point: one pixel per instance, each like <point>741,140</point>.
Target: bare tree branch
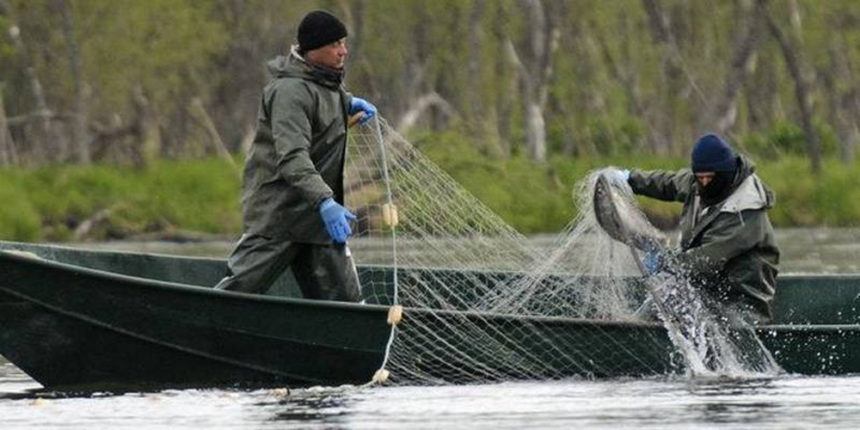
<point>199,112</point>
<point>421,104</point>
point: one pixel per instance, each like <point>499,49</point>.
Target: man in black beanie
<point>727,242</point>
<point>293,213</point>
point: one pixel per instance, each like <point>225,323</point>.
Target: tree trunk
<point>535,70</point>
<point>473,63</point>
<point>662,35</point>
<point>480,115</point>
<point>147,126</point>
<point>7,145</point>
<point>844,106</point>
<point>198,111</point>
<point>627,76</point>
<point>676,74</point>
<point>505,99</point>
<point>837,112</point>
<point>47,151</point>
<point>801,88</point>
<point>79,133</point>
<point>248,138</point>
<point>849,133</point>
<point>536,130</point>
<point>743,57</point>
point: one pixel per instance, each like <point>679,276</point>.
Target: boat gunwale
<point>790,276</point>
<point>363,307</point>
<point>196,289</point>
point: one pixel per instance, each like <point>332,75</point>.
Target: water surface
<point>664,403</point>
<point>804,250</point>
<point>659,403</point>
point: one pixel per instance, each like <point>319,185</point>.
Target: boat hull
<point>88,320</point>
<point>71,327</point>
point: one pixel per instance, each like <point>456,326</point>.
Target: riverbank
<point>198,200</point>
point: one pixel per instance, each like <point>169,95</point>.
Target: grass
<point>49,203</point>
<point>203,195</point>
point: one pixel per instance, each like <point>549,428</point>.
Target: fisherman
<point>727,242</point>
<point>293,213</point>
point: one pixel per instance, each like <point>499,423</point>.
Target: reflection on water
<point>644,403</point>
<point>13,380</point>
<point>327,405</point>
<point>664,403</point>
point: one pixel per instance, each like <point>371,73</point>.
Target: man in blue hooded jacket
<point>727,242</point>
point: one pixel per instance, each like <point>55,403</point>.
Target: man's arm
<point>661,184</point>
<point>291,129</point>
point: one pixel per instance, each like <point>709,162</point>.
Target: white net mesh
<point>481,302</point>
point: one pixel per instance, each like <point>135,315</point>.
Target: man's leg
<point>256,263</point>
<point>327,272</point>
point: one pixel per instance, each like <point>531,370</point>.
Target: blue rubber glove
<point>653,261</point>
<point>360,104</point>
<point>336,219</point>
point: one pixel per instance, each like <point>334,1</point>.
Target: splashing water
<point>713,341</point>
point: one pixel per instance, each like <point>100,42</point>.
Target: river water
<point>780,403</point>
<point>661,403</point>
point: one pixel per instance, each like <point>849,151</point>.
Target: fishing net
<point>481,302</point>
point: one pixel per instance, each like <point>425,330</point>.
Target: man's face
<point>332,55</point>
<point>704,178</point>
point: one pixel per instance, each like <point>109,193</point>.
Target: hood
<point>294,66</point>
<point>749,190</point>
<point>281,67</point>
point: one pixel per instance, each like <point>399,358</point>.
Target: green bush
<point>787,139</point>
<point>614,138</point>
<point>48,203</point>
<point>538,197</point>
<point>831,199</point>
<point>203,195</point>
<point>795,188</point>
<point>18,219</point>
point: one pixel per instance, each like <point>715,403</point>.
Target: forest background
<point>126,118</point>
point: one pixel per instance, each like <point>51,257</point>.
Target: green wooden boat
<point>81,319</point>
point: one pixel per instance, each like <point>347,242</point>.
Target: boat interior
<point>800,299</point>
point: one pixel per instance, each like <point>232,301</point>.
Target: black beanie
<point>319,28</point>
<point>712,154</point>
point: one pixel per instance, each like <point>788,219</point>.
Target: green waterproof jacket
<point>729,248</point>
<point>297,158</point>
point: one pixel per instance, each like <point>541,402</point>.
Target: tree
<point>794,62</point>
<point>80,139</point>
<point>725,110</point>
<point>532,58</point>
